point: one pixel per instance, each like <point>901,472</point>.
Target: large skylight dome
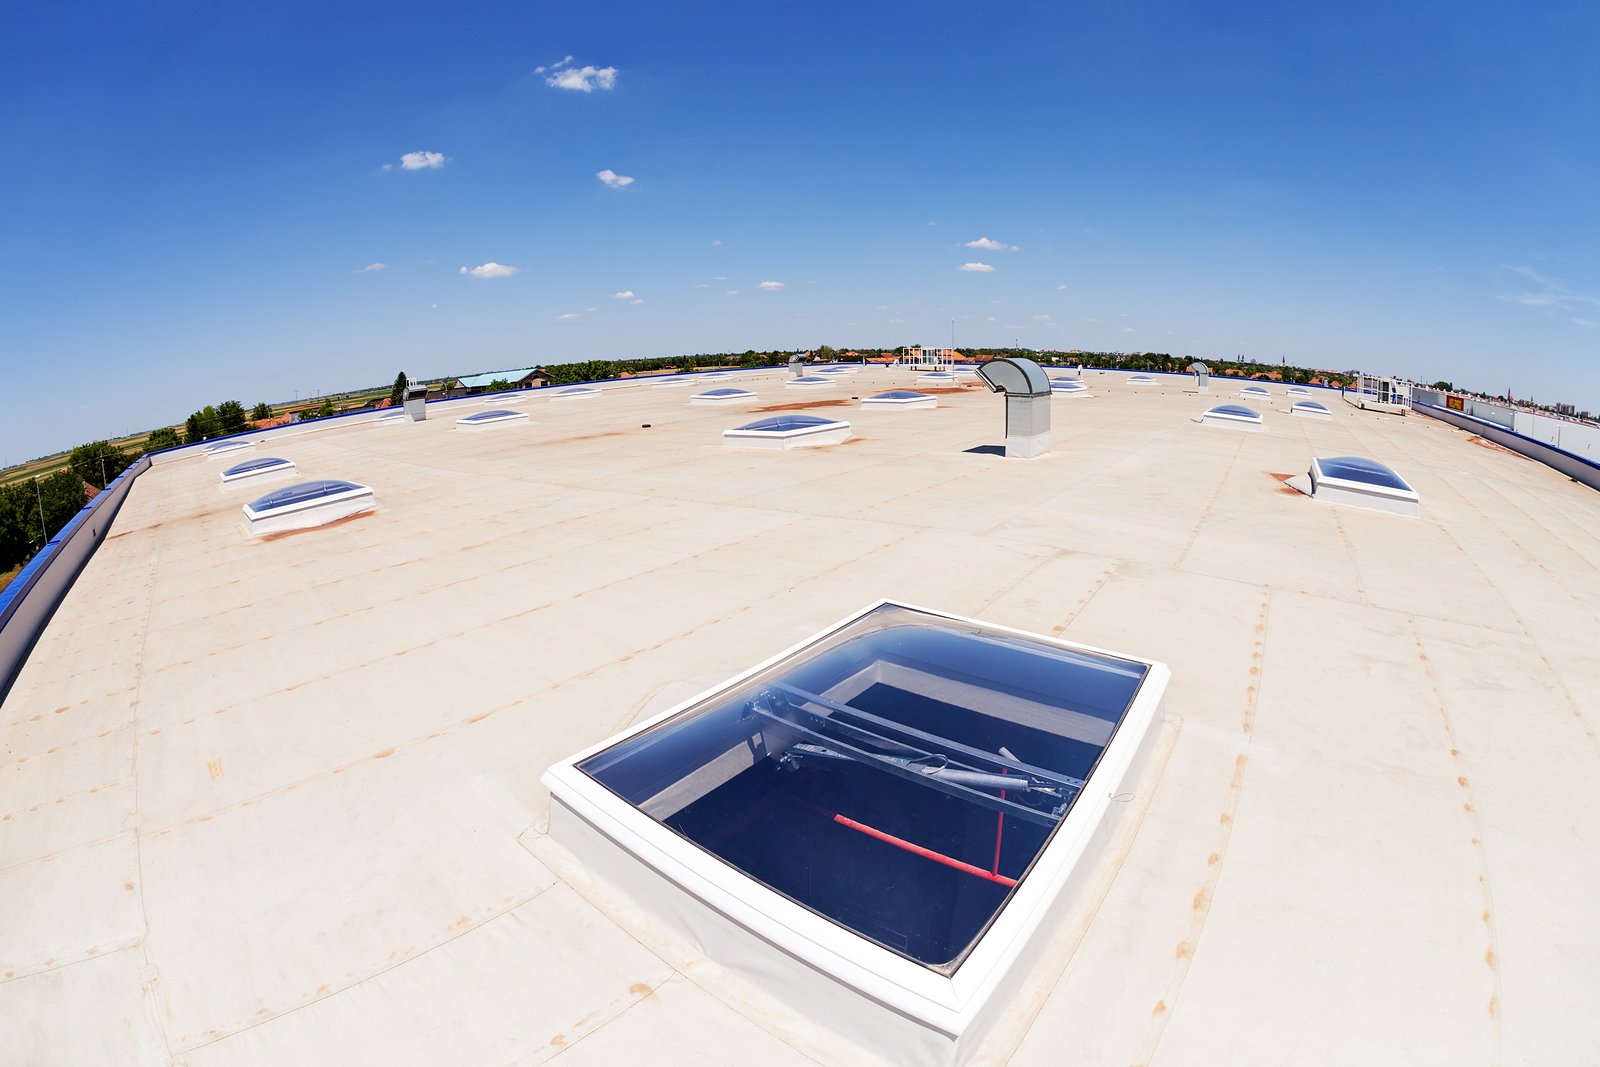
<point>893,805</point>
<point>1310,409</point>
<point>307,504</point>
<point>1362,482</point>
<point>788,431</point>
<point>256,471</point>
<point>485,420</point>
<point>900,400</point>
<point>1233,417</point>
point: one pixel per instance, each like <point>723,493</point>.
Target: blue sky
<point>195,198</point>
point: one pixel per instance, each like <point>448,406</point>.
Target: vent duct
<point>1027,390</point>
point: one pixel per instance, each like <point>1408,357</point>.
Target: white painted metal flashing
<point>873,997</point>
<point>827,432</point>
<point>265,516</point>
<point>488,420</point>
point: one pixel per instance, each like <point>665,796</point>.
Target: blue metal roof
<point>477,381</point>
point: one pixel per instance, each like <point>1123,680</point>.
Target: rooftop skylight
<point>1141,379</point>
<point>1233,416</point>
<point>900,400</point>
<point>225,447</point>
<point>1310,409</point>
<point>1362,482</point>
<point>576,392</point>
<point>920,781</point>
<point>810,381</point>
<point>788,431</point>
<point>252,471</point>
<point>483,420</point>
<point>307,504</point>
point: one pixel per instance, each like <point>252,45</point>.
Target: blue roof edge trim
<point>30,600</point>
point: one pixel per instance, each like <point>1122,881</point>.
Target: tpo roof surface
<point>277,801</point>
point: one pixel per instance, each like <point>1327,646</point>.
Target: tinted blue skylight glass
<point>1360,469</point>
<point>968,745</point>
<point>785,423</point>
<point>1238,411</point>
<point>726,392</point>
<point>489,416</point>
<point>300,493</point>
<point>900,394</point>
<point>1311,405</point>
<point>254,465</point>
<point>1254,389</point>
<point>812,379</point>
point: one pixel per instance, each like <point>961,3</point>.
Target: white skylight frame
<point>1255,392</point>
<point>890,989</point>
<point>1310,409</point>
<point>576,392</point>
<point>810,381</point>
<point>1141,379</point>
<point>309,514</point>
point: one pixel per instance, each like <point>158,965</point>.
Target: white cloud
<point>373,268</point>
<point>1041,318</point>
<point>716,244</point>
<point>636,300</point>
<point>731,292</point>
<point>490,269</point>
<point>702,285</point>
<point>388,166</point>
<point>1546,292</point>
<point>553,66</point>
<point>613,179</point>
<point>591,310</point>
<point>1060,288</point>
<point>991,245</point>
<point>1129,329</point>
<point>720,278</point>
<point>625,294</point>
<point>422,161</point>
<point>567,315</point>
<point>771,287</point>
<point>583,79</point>
<point>981,268</point>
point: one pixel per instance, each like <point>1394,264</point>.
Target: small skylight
<point>900,400</point>
<point>896,805</point>
<point>1141,379</point>
<point>307,504</point>
<point>726,395</point>
<point>225,447</point>
<point>507,398</point>
<point>837,368</point>
<point>809,381</point>
<point>1257,392</point>
<point>1068,387</point>
<point>1299,390</point>
<point>1362,482</point>
<point>252,471</point>
<point>1310,409</point>
<point>1232,416</point>
<point>484,420</point>
<point>673,382</point>
<point>788,431</point>
<point>576,392</point>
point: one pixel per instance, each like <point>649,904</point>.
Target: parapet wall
<point>1577,467</point>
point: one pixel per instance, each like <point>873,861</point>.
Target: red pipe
<point>925,853</point>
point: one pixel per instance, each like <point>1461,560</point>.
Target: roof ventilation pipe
<point>1202,377</point>
<point>796,364</point>
<point>1027,390</point>
<point>417,402</point>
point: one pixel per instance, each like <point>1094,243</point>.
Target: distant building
<point>1565,409</point>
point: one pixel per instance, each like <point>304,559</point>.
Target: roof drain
<point>1027,390</point>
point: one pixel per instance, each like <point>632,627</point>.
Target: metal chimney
<point>1027,390</point>
<point>416,402</point>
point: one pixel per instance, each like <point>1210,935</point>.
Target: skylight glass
<point>1310,405</point>
<point>255,466</point>
<point>1236,411</point>
<point>786,423</point>
<point>898,779</point>
<point>302,493</point>
<point>900,394</point>
<point>1362,471</point>
<point>492,416</point>
<point>725,392</point>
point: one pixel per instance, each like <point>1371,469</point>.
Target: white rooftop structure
<point>279,800</point>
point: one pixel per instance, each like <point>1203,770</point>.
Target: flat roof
<point>273,801</point>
